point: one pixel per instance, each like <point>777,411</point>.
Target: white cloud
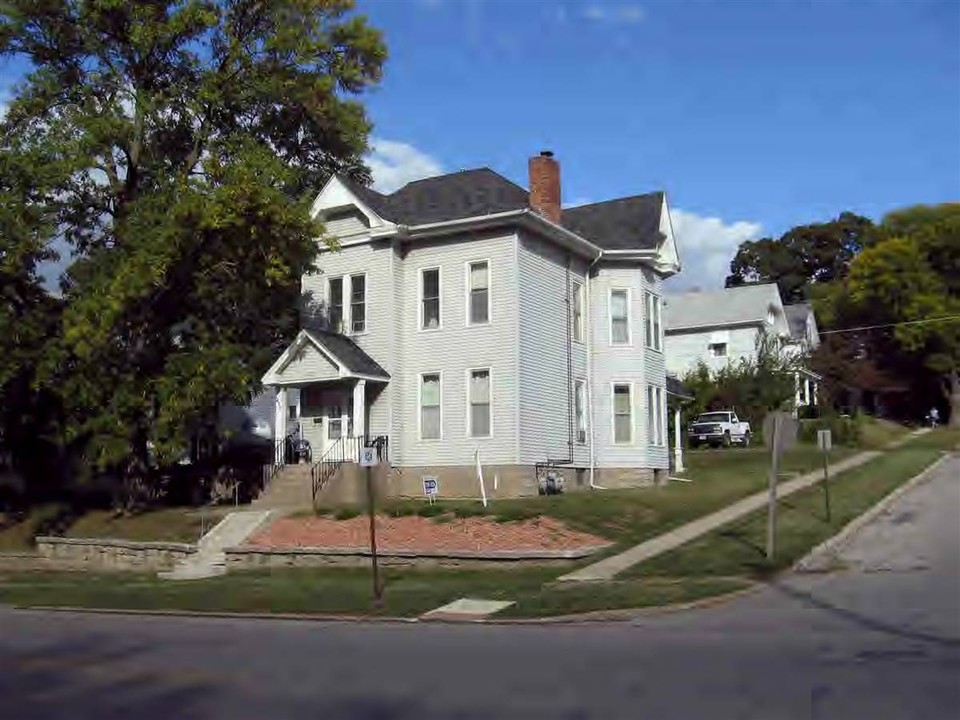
<point>707,245</point>
<point>623,13</point>
<point>393,164</point>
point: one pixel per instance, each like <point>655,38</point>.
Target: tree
<point>807,254</point>
<point>911,275</point>
<point>183,138</point>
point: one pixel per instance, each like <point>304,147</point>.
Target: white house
<point>465,315</point>
<point>723,327</point>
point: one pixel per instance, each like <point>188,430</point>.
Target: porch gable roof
<point>350,360</point>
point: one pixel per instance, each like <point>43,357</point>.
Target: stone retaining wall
<point>107,554</point>
<point>248,557</point>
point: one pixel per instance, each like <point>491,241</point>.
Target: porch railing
<point>282,455</point>
<point>345,449</point>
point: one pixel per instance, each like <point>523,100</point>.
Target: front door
<point>332,421</point>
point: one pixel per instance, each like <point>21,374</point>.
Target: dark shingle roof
<point>349,353</point>
<point>678,389</point>
<point>626,223</point>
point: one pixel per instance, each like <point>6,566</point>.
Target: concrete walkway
<point>210,559</point>
<point>611,566</point>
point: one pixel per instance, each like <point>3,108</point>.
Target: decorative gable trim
<point>335,195</point>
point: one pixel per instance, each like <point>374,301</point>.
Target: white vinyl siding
<point>622,395</point>
<point>578,312</point>
<point>430,298</point>
<point>620,316</point>
<point>308,365</point>
<point>480,402</point>
<point>431,406</point>
<point>478,292</point>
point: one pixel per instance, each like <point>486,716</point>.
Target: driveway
<point>880,639</point>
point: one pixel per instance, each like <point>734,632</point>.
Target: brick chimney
<point>545,185</point>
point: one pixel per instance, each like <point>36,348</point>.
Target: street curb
<point>203,614</point>
<point>832,545</point>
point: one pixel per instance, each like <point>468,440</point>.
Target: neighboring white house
<point>723,327</point>
<point>465,314</point>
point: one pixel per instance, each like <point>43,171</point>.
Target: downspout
<point>588,330</point>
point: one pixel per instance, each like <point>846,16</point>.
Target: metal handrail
<point>343,449</point>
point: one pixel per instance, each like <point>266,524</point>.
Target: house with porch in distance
<point>723,327</point>
<point>464,320</point>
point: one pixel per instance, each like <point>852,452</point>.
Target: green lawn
<point>408,593</point>
<point>739,549</point>
<point>719,477</point>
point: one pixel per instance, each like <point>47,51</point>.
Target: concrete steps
<point>210,559</point>
<point>290,489</point>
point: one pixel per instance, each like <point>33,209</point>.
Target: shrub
<point>844,430</point>
<point>346,513</point>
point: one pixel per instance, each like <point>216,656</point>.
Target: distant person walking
<point>934,417</point>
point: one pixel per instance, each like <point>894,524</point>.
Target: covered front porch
<point>327,388</point>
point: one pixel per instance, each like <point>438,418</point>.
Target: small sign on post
<point>368,457</point>
<point>368,460</point>
<point>825,443</point>
<point>431,488</point>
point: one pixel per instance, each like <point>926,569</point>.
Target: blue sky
<point>753,116</point>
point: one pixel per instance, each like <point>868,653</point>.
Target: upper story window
<point>335,295</point>
<point>717,349</point>
<point>771,316</point>
<point>578,328</point>
<point>358,303</point>
<point>654,335</point>
<point>619,317</point>
<point>430,298</point>
<point>478,292</point>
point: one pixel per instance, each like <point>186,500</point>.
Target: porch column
<point>796,382</point>
<point>280,425</point>
<point>677,442</point>
<point>806,391</point>
<point>359,409</point>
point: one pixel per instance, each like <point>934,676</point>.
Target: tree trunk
<point>952,391</point>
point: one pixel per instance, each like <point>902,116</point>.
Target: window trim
<point>467,289</point>
<point>579,326</point>
<point>420,299</point>
<point>653,322</point>
<point>613,413</point>
<point>439,374</point>
<point>656,416</point>
<point>580,391</point>
<point>366,303</point>
<point>469,419</point>
<point>610,293</point>
<point>712,345</point>
<point>343,310</point>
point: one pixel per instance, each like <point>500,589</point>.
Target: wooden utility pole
<point>774,471</point>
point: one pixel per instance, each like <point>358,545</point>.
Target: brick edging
<point>574,554</point>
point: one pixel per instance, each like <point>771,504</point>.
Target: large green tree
<point>182,139</point>
<point>816,253</point>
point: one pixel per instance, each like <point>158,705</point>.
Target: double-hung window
<point>622,414</point>
<point>654,338</point>
<point>655,415</point>
<point>335,299</point>
<point>430,298</point>
<point>619,317</point>
<point>479,396</point>
<point>430,406</point>
<point>358,303</point>
<point>478,292</point>
<point>578,329</point>
<point>579,405</point>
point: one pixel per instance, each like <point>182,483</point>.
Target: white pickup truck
<point>718,428</point>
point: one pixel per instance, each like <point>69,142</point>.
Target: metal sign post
<point>368,458</point>
<point>825,443</point>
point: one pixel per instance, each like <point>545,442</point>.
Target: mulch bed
<point>473,534</point>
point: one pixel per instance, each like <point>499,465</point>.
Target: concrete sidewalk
<point>611,566</point>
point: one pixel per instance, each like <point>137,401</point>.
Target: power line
<point>946,318</point>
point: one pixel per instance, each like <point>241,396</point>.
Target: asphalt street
<point>879,639</point>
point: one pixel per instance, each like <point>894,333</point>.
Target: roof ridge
<point>484,168</point>
<point>625,197</point>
